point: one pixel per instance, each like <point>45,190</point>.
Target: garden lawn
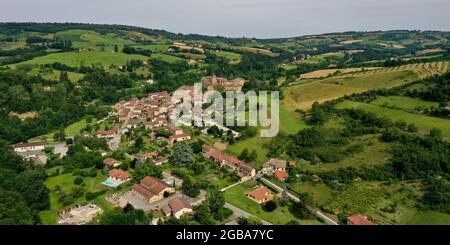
<point>65,181</point>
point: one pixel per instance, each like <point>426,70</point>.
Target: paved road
<point>114,143</point>
<point>237,212</point>
<point>296,199</point>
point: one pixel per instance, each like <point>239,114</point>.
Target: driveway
<point>169,179</point>
<point>139,203</point>
<point>60,149</point>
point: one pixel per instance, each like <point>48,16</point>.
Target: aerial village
<point>131,179</point>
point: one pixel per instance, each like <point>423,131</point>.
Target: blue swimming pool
<point>107,183</point>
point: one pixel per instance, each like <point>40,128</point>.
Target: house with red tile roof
<point>107,133</point>
<point>111,162</point>
<point>179,138</point>
<point>225,160</point>
<point>144,156</point>
<point>261,195</point>
<point>358,219</point>
<point>119,174</point>
<point>273,165</point>
<point>152,189</point>
<point>280,175</point>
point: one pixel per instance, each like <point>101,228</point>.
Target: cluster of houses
<point>152,112</point>
<point>108,134</point>
<point>217,83</point>
<point>224,160</point>
<point>151,155</point>
<point>277,168</point>
<point>152,189</point>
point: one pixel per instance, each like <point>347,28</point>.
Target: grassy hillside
<point>77,59</point>
<point>303,95</point>
<point>423,123</point>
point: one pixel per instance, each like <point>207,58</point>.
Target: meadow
<point>71,130</point>
<point>76,59</point>
<point>302,96</point>
<point>233,57</point>
<point>306,91</point>
<point>252,144</point>
<point>93,41</point>
<point>403,103</point>
<point>374,152</point>
<point>423,123</point>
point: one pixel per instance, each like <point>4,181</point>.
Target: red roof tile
<point>358,219</point>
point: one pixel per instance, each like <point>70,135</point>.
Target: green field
<point>233,57</point>
<point>281,215</point>
<point>71,130</point>
<point>94,41</point>
<point>403,103</point>
<point>255,50</point>
<point>54,74</point>
<point>65,181</point>
<point>423,123</point>
<point>167,58</point>
<point>427,218</point>
<point>374,153</point>
<point>320,192</point>
<point>291,122</point>
<point>302,96</point>
<point>255,143</point>
<point>307,91</point>
<point>155,48</point>
<point>77,59</point>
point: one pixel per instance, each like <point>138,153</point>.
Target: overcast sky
<point>235,18</point>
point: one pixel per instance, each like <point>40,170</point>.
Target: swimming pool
<point>108,183</point>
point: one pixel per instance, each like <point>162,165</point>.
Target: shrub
<point>270,206</point>
<point>78,181</point>
<point>92,195</point>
